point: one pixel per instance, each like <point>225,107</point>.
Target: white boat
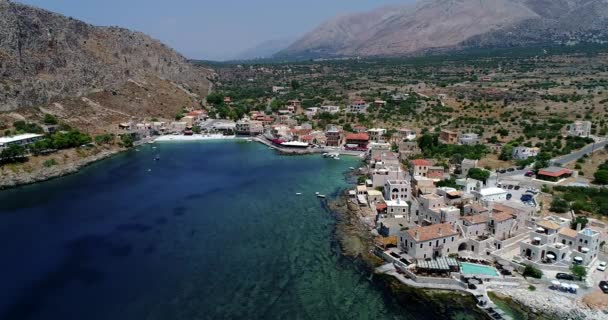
<point>336,158</point>
<point>351,168</point>
<point>294,144</point>
<point>317,193</point>
<point>321,196</point>
<point>298,193</point>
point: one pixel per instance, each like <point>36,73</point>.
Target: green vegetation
<point>601,175</point>
<point>531,288</point>
<point>432,148</point>
<point>127,140</point>
<point>104,139</point>
<point>26,127</point>
<point>583,200</point>
<point>448,183</point>
<point>479,174</point>
<point>579,271</point>
<point>50,119</point>
<point>13,153</point>
<point>559,205</point>
<point>533,272</point>
<point>49,163</point>
<point>580,219</point>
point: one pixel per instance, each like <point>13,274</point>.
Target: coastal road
<point>580,153</point>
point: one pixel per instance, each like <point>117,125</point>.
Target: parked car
<point>604,286</point>
<point>509,196</point>
<point>529,174</point>
<point>526,197</point>
<point>602,266</point>
<point>521,167</point>
<point>517,187</point>
<point>511,169</point>
<point>510,187</point>
<point>567,276</point>
<point>503,171</point>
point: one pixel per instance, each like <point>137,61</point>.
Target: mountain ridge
<point>453,24</point>
<point>46,56</point>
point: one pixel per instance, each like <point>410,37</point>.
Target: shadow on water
<point>77,266</point>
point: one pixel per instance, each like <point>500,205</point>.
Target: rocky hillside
<point>46,57</point>
<point>449,24</point>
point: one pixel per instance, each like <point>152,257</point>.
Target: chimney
<point>416,235</point>
<point>579,226</point>
<point>440,232</point>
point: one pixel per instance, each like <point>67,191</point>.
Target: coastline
<point>11,179</point>
<point>353,235</point>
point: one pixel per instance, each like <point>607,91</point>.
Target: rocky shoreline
<point>356,242</point>
<point>11,179</point>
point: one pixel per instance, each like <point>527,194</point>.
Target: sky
<point>210,29</point>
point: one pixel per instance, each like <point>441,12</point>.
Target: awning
<point>585,249</point>
<point>550,256</point>
<point>578,258</point>
<point>537,239</point>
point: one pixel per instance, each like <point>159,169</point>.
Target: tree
<point>12,153</point>
<point>196,129</point>
<point>50,119</point>
<point>601,177</point>
<point>580,219</point>
<point>506,153</point>
<point>559,205</point>
<point>215,98</point>
<point>579,271</point>
<point>127,140</point>
<point>478,174</point>
<point>531,271</point>
<point>295,85</point>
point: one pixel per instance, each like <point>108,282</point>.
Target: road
<point>579,153</point>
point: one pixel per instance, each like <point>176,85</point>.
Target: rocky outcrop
<point>439,25</point>
<point>45,56</point>
<point>11,179</point>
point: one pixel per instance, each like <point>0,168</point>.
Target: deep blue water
<point>213,230</point>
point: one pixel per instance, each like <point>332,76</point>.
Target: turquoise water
<point>477,269</point>
<point>213,230</point>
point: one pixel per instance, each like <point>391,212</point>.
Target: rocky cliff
<point>45,57</point>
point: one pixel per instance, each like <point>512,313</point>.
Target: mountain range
<point>439,25</point>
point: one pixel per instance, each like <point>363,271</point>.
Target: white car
<point>601,266</point>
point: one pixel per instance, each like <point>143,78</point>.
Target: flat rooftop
<point>19,137</point>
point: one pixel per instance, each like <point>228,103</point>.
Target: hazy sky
<point>210,29</point>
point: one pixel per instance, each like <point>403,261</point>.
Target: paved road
<point>580,153</point>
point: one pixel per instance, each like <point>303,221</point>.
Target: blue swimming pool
<point>472,269</point>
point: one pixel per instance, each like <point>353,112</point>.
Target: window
<point>421,246</point>
<point>444,240</point>
<point>452,239</point>
<point>430,243</point>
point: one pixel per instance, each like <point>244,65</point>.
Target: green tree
<point>50,119</point>
<point>579,271</point>
<point>580,219</point>
<point>531,271</point>
<point>196,129</point>
<point>295,85</point>
<point>559,205</point>
<point>127,140</point>
<point>601,177</point>
<point>506,153</point>
<point>215,98</point>
<point>13,153</point>
<point>478,174</point>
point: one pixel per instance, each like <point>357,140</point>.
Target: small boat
<point>321,196</point>
<point>298,193</point>
<point>153,147</point>
<point>151,142</point>
<point>157,158</point>
<point>149,170</point>
<point>351,168</point>
<point>336,158</point>
<point>317,193</point>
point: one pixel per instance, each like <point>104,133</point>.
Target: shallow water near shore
<point>214,230</point>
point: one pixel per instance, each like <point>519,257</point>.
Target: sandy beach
<point>195,137</point>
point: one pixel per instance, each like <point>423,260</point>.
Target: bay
<point>212,230</point>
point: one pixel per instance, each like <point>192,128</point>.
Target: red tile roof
<point>420,162</point>
<point>554,173</point>
<point>357,136</point>
<point>431,232</point>
<point>381,206</point>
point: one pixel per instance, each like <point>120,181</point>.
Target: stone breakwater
<point>11,179</point>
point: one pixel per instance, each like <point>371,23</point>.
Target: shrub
<point>49,163</point>
<point>533,272</point>
<point>579,272</point>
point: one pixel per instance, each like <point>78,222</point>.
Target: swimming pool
<point>472,269</point>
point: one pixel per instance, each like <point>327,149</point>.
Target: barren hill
<point>449,24</point>
<point>46,57</point>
